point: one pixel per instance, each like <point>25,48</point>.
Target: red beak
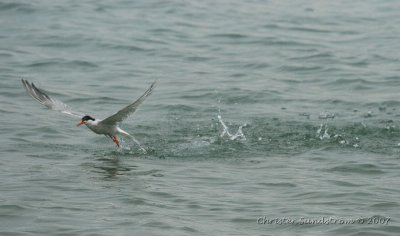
<point>82,123</point>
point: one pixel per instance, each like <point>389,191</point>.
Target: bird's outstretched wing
<point>125,112</point>
<point>48,101</point>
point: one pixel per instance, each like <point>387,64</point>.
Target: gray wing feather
<point>41,97</point>
<point>128,110</point>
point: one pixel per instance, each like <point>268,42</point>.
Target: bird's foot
<point>116,141</point>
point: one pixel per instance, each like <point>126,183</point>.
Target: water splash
<point>239,134</point>
<point>340,139</point>
<point>322,132</point>
<point>125,146</point>
<point>326,115</point>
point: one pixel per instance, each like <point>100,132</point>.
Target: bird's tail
<point>126,134</point>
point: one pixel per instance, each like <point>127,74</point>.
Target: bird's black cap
<point>86,118</point>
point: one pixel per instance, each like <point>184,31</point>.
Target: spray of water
<point>322,132</point>
<point>239,135</point>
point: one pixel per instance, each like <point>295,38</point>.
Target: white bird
<point>108,126</point>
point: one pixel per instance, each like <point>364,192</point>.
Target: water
<point>263,110</point>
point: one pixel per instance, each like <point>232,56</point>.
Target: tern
<point>109,126</point>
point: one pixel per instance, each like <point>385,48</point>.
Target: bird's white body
<point>108,126</point>
<point>98,128</point>
<point>108,130</point>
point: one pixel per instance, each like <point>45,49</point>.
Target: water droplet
<point>369,114</point>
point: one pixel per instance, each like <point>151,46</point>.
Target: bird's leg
<point>115,139</point>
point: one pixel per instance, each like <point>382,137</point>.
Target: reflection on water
<point>113,167</point>
<point>110,168</point>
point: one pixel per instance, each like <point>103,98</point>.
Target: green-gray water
<point>314,86</point>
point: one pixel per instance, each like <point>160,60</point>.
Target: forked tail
<point>126,134</point>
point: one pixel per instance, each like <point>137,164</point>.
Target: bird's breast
<point>103,129</point>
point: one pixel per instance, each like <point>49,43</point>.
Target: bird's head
<point>85,120</point>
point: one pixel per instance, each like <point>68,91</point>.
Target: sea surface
<point>269,117</point>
